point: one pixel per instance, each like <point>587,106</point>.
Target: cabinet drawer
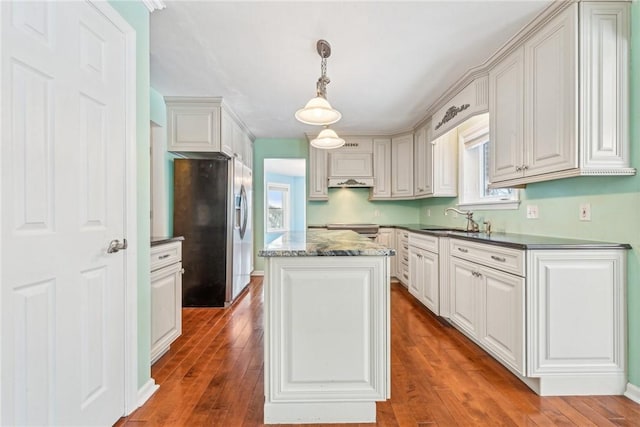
<point>505,259</point>
<point>165,254</point>
<point>423,241</point>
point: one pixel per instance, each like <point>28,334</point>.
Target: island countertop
<point>324,243</point>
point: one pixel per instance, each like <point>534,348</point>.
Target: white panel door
<point>503,322</point>
<point>381,168</point>
<point>63,193</point>
<point>465,310</point>
<point>506,116</point>
<point>551,85</point>
<point>402,166</point>
<point>430,296</point>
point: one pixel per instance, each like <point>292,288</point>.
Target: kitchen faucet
<point>471,224</point>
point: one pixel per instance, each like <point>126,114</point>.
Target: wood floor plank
<point>213,375</point>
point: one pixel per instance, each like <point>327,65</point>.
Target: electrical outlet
<point>532,211</point>
<point>428,212</point>
<point>376,213</point>
<point>585,212</point>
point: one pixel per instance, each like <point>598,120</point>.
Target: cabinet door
<point>506,115</point>
<point>576,312</point>
<point>318,189</point>
<point>402,166</point>
<point>551,104</point>
<point>430,296</point>
<point>381,168</point>
<point>445,165</point>
<point>423,167</point>
<point>166,308</point>
<point>503,316</point>
<point>193,128</point>
<point>465,310</point>
<point>416,273</point>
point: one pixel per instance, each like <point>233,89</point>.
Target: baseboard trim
<point>633,392</point>
<point>257,273</point>
<point>146,391</point>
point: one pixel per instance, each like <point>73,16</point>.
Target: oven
<point>366,230</point>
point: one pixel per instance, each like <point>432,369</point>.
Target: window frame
<point>474,134</point>
<point>286,206</point>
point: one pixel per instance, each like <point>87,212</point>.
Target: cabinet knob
<point>518,169</point>
<point>525,167</point>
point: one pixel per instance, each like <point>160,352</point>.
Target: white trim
<point>498,205</point>
<point>257,273</point>
<point>131,228</point>
<point>1,210</point>
<point>633,392</point>
<point>146,391</point>
<point>154,4</point>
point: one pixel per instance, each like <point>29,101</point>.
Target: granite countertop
<point>324,243</point>
<point>159,240</point>
<point>511,240</point>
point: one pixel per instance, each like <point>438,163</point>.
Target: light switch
<point>532,211</point>
<point>585,212</point>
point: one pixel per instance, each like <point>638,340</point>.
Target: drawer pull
<point>406,259</point>
<point>463,250</point>
<point>164,256</point>
<point>406,247</point>
<point>498,258</point>
<point>405,276</point>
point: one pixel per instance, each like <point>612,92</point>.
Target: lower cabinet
<point>556,320</point>
<point>402,257</point>
<point>166,297</point>
<point>424,278</point>
<point>488,305</point>
<point>387,237</point>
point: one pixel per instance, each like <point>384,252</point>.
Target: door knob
<point>116,245</point>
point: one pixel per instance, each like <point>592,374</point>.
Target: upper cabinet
<point>558,103</point>
<point>352,164</point>
<point>318,189</point>
<point>402,166</point>
<point>206,125</point>
<point>435,163</point>
<point>381,169</point>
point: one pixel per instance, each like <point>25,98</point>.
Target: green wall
<point>137,15</point>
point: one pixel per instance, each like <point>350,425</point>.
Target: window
<point>473,137</point>
<point>278,206</point>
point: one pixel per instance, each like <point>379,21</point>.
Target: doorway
<point>284,197</point>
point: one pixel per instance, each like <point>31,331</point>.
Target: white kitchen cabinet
<point>423,158</point>
<point>200,125</point>
<point>559,102</point>
<point>423,273</point>
<point>381,169</point>
<point>424,270</point>
<point>402,166</point>
<point>488,305</point>
<point>318,189</point>
<point>559,324</point>
<point>166,297</point>
<point>506,117</point>
<point>445,165</point>
<point>387,238</point>
<point>576,315</point>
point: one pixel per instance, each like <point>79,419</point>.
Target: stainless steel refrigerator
<point>212,210</point>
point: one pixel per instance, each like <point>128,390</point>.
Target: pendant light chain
<point>323,81</point>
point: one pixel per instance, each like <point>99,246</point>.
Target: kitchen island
<point>327,328</point>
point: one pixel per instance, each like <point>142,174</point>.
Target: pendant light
<point>327,139</point>
<point>318,111</point>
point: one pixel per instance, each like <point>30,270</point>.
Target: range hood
<point>351,182</point>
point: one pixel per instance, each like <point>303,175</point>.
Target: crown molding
<point>154,4</point>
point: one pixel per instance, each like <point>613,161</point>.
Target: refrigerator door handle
<point>245,213</point>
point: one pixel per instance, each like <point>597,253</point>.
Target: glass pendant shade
<point>318,111</point>
<point>327,139</point>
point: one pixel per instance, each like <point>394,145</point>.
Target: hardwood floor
<point>213,376</point>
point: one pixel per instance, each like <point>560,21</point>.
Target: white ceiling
<point>390,60</point>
